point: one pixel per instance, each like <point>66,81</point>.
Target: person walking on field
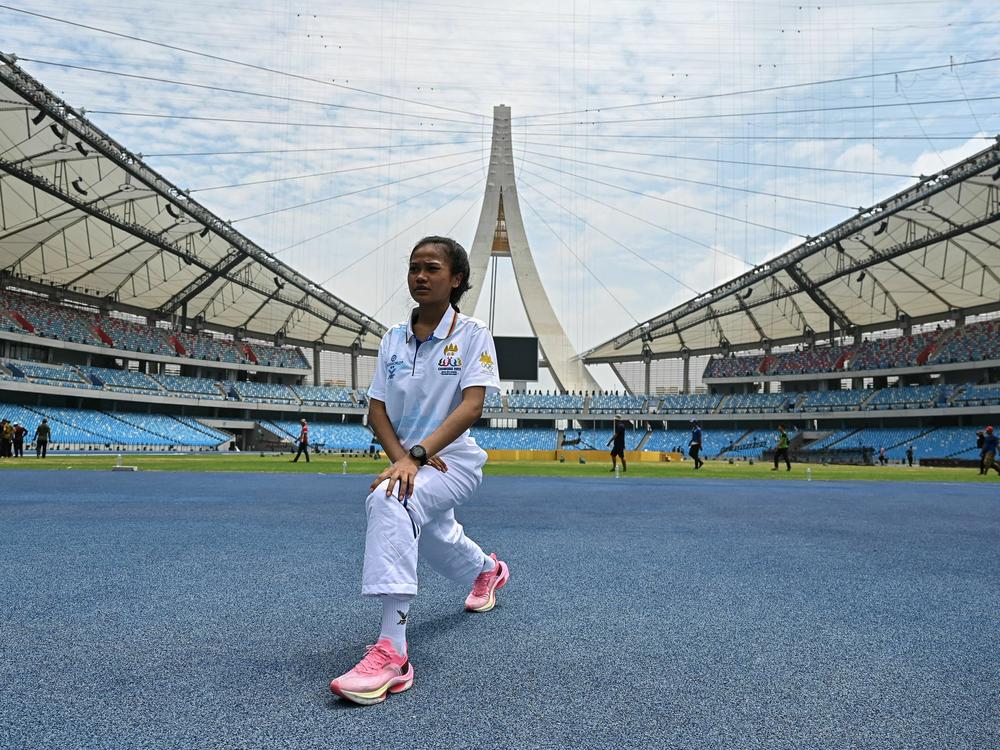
<point>432,377</point>
<point>42,435</point>
<point>990,443</point>
<point>19,434</point>
<point>694,446</point>
<point>781,451</point>
<point>618,449</point>
<point>980,442</point>
<point>303,441</point>
<point>909,456</point>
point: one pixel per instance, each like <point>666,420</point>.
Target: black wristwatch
<point>419,454</point>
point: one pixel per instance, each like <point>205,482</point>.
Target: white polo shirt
<point>422,383</point>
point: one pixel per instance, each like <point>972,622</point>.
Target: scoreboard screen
<point>518,357</point>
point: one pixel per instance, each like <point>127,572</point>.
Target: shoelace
<point>374,659</point>
<point>482,582</point>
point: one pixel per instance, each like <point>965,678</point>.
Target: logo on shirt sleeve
<point>451,362</point>
<point>486,362</point>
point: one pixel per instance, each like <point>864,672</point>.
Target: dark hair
<point>458,259</point>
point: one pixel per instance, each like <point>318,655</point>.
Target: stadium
<point>880,332</point>
<point>143,326</point>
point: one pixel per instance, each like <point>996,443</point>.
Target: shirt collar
<point>444,329</point>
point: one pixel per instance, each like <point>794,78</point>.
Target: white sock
<point>489,564</point>
<point>394,614</point>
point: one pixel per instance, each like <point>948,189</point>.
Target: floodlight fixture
<point>204,232</point>
<point>861,277</point>
<point>996,175</point>
<point>37,119</point>
<point>882,227</point>
<point>747,295</point>
<point>78,186</point>
<point>840,248</point>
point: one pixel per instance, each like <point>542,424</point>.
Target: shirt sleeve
<point>481,367</point>
<point>377,388</point>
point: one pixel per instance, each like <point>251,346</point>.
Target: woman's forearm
<point>466,414</point>
<point>386,435</point>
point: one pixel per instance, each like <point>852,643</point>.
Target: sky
<point>661,148</point>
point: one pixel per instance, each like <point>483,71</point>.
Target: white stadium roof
<point>929,252</point>
<point>81,213</point>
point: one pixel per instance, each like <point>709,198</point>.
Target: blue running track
<point>211,610</point>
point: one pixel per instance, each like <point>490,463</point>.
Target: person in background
<point>909,456</point>
<point>781,450</point>
<point>990,442</point>
<point>19,433</point>
<point>618,449</point>
<point>980,441</point>
<point>303,442</point>
<point>881,456</point>
<point>694,446</point>
<point>6,438</point>
<point>42,435</point>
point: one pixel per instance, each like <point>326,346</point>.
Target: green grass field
<point>252,462</point>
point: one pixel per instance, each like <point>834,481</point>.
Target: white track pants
<point>424,527</point>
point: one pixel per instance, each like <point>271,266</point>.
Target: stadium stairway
<point>166,439</point>
<point>211,432</point>
<point>55,419</point>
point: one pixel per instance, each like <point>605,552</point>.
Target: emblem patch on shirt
<point>450,363</point>
<point>486,361</point>
<point>394,364</point>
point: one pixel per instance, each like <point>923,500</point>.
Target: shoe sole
<point>492,601</point>
<point>375,696</point>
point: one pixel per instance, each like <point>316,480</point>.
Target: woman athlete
<point>431,379</point>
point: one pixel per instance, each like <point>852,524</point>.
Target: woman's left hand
<point>403,472</point>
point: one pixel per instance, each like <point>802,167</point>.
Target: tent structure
<point>927,253</point>
<point>82,217</point>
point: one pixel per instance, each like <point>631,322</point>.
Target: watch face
<point>418,452</point>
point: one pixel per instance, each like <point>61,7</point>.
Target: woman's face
<point>430,278</point>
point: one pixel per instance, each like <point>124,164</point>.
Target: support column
<point>354,365</point>
<point>649,367</point>
<point>687,373</point>
<point>317,373</point>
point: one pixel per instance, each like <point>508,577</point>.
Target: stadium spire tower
<point>501,234</point>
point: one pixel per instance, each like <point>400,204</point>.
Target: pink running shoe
<point>381,671</point>
<point>483,597</point>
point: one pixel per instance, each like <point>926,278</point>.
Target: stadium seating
<point>756,403</point>
<point>323,396</point>
<point>753,444</point>
<point>883,354</point>
<point>977,395</point>
<point>493,403</point>
<point>121,380</point>
<point>545,402</point>
<point>841,400</point>
<point>614,403</point>
<point>261,393</point>
<point>327,435</point>
<point>177,385</point>
<point>973,343</point>
<point>22,313</point>
<point>910,397</point>
<point>57,375</point>
<point>689,403</point>
<point>734,367</point>
<point>88,428</point>
<point>893,439</point>
<point>515,438</point>
<point>713,441</point>
<point>598,439</point>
